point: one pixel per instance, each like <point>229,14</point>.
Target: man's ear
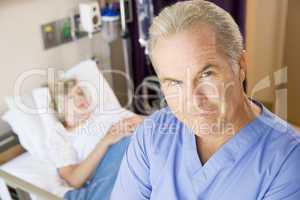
<point>243,67</point>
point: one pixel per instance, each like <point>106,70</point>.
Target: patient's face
<point>78,106</point>
<point>197,79</point>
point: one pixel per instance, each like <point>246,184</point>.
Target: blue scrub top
<point>262,161</point>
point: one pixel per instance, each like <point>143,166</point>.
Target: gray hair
<point>184,15</point>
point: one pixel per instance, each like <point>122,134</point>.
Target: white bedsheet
<point>43,174</point>
<point>38,173</point>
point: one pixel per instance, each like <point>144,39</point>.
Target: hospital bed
<point>27,176</point>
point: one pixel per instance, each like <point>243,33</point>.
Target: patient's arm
<point>123,128</point>
<point>77,175</point>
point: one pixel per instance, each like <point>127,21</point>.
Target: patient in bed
<point>73,110</point>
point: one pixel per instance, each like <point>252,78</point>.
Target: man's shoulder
<point>282,144</point>
<point>161,119</point>
<point>282,134</point>
<point>161,127</point>
<point>284,141</point>
<point>281,157</point>
<point>284,151</point>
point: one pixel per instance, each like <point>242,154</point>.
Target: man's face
<point>197,79</point>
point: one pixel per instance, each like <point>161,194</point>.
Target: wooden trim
<point>11,153</point>
<point>297,128</point>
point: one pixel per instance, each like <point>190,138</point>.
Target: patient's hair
<point>58,91</point>
<point>187,14</point>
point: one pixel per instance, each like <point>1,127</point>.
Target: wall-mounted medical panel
<point>62,31</point>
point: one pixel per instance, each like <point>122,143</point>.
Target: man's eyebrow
<point>165,79</point>
<point>206,67</point>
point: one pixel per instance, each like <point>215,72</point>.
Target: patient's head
<point>70,102</point>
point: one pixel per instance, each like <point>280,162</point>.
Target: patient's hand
<point>121,129</point>
<point>132,122</point>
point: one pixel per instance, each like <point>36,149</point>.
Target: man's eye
<point>206,74</point>
<point>175,83</point>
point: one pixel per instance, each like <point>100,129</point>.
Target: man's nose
<point>200,94</point>
<point>188,100</point>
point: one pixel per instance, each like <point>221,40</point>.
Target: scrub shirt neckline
<point>231,151</point>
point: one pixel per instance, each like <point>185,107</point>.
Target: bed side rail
<point>23,187</point>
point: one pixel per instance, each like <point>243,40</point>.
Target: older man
<point>212,142</point>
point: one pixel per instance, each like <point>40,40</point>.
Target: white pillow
<point>26,125</point>
<point>75,146</point>
<point>89,75</point>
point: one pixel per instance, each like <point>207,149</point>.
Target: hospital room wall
<point>265,39</point>
<point>21,47</point>
<point>273,44</point>
<point>292,60</point>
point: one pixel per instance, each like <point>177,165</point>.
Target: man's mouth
<point>206,112</point>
